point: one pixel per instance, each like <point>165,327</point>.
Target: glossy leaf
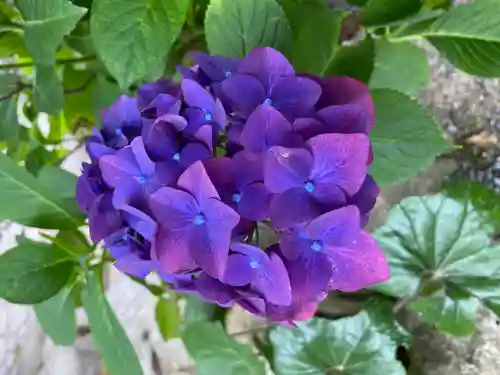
<point>108,335</point>
<point>151,27</point>
<point>214,352</point>
<point>380,12</point>
<point>234,28</point>
<point>26,201</point>
<point>57,316</point>
<point>441,245</point>
<point>33,272</point>
<point>45,24</point>
<point>168,317</point>
<point>405,139</point>
<point>355,61</point>
<point>387,73</point>
<point>349,346</point>
<point>73,242</point>
<point>48,94</point>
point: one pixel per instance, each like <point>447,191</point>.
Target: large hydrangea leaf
<point>351,346</point>
<point>440,249</point>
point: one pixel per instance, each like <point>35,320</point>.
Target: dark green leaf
<point>405,138</point>
<point>217,353</point>
<point>234,28</point>
<point>381,12</point>
<point>438,240</point>
<point>33,272</point>
<point>73,242</point>
<point>197,310</point>
<point>104,93</point>
<point>48,93</point>
<point>57,316</point>
<point>39,157</point>
<point>81,40</point>
<point>46,23</point>
<point>26,201</point>
<point>151,27</point>
<point>389,59</point>
<point>168,317</point>
<point>349,346</point>
<point>313,21</point>
<point>9,127</point>
<point>356,61</point>
<point>469,36</point>
<point>78,103</point>
<point>12,43</point>
<point>58,179</point>
<point>109,337</point>
<point>380,311</point>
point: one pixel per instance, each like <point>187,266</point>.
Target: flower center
<point>141,179</point>
<point>309,186</point>
<point>118,132</point>
<point>316,246</point>
<point>236,197</point>
<point>268,101</point>
<point>176,156</point>
<point>227,74</point>
<point>208,116</point>
<point>254,264</point>
<point>199,219</point>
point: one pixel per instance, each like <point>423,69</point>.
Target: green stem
<point>71,60</point>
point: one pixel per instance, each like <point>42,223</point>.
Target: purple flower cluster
<point>246,183</point>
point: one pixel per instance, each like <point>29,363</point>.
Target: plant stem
<point>70,60</point>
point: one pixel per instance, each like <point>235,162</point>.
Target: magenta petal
<point>196,96</point>
<point>220,171</point>
<point>358,266</point>
<point>255,202</point>
<point>140,222</point>
<point>119,168</point>
<point>238,271</point>
<point>293,207</point>
<point>170,248</point>
<point>340,159</point>
<point>264,128</point>
<point>267,64</point>
<point>196,181</point>
<point>174,209</point>
<point>286,168</point>
<point>295,95</point>
<point>147,166</point>
<point>244,93</point>
<point>273,282</point>
<point>336,228</point>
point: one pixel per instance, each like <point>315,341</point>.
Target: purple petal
<point>174,209</point>
<point>98,150</point>
<point>255,202</point>
<point>346,119</point>
<point>194,152</point>
<point>295,242</point>
<point>220,171</point>
<point>168,172</point>
<point>161,137</point>
<point>196,181</point>
<point>295,95</point>
<point>196,96</point>
<point>104,219</point>
<point>171,249</point>
<point>217,68</point>
<point>312,274</point>
<point>247,168</point>
<point>88,186</point>
<point>205,135</point>
<point>273,282</point>
<point>330,195</point>
<point>286,168</point>
<point>149,91</point>
<point>213,290</point>
<point>264,128</point>
<point>340,159</point>
<point>219,114</point>
<point>238,270</point>
<point>135,266</point>
<point>244,93</point>
<point>123,113</point>
<point>293,207</point>
<point>140,222</point>
<point>267,64</point>
<point>367,195</point>
<point>119,168</point>
<point>308,127</point>
<point>146,165</point>
<point>358,266</point>
<point>336,228</point>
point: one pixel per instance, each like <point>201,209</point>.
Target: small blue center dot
<point>227,74</point>
<point>208,116</point>
<point>268,101</point>
<point>176,156</point>
<point>122,239</point>
<point>254,264</point>
<point>316,246</point>
<point>141,179</point>
<point>309,186</point>
<point>236,197</point>
<point>199,219</point>
<point>118,132</point>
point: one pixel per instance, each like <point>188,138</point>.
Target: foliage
<point>62,62</point>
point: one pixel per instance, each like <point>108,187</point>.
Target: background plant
<point>63,61</point>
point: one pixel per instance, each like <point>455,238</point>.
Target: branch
<point>71,60</point>
<point>83,87</point>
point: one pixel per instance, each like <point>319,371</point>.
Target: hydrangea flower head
<point>245,183</point>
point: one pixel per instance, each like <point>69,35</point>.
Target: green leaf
<point>57,316</point>
<point>389,59</point>
<point>37,158</point>
<point>78,104</point>
<point>349,346</point>
<point>104,93</point>
<point>168,317</point>
<point>48,93</point>
<point>313,21</point>
<point>26,201</point>
<point>217,353</point>
<point>73,242</point>
<point>9,127</point>
<point>448,315</point>
<point>469,37</point>
<point>355,61</point>
<point>151,27</point>
<point>234,28</point>
<point>57,178</point>
<point>436,242</point>
<point>45,24</point>
<point>405,139</point>
<point>33,272</point>
<point>197,310</point>
<point>109,337</point>
<point>12,43</point>
<point>381,12</point>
